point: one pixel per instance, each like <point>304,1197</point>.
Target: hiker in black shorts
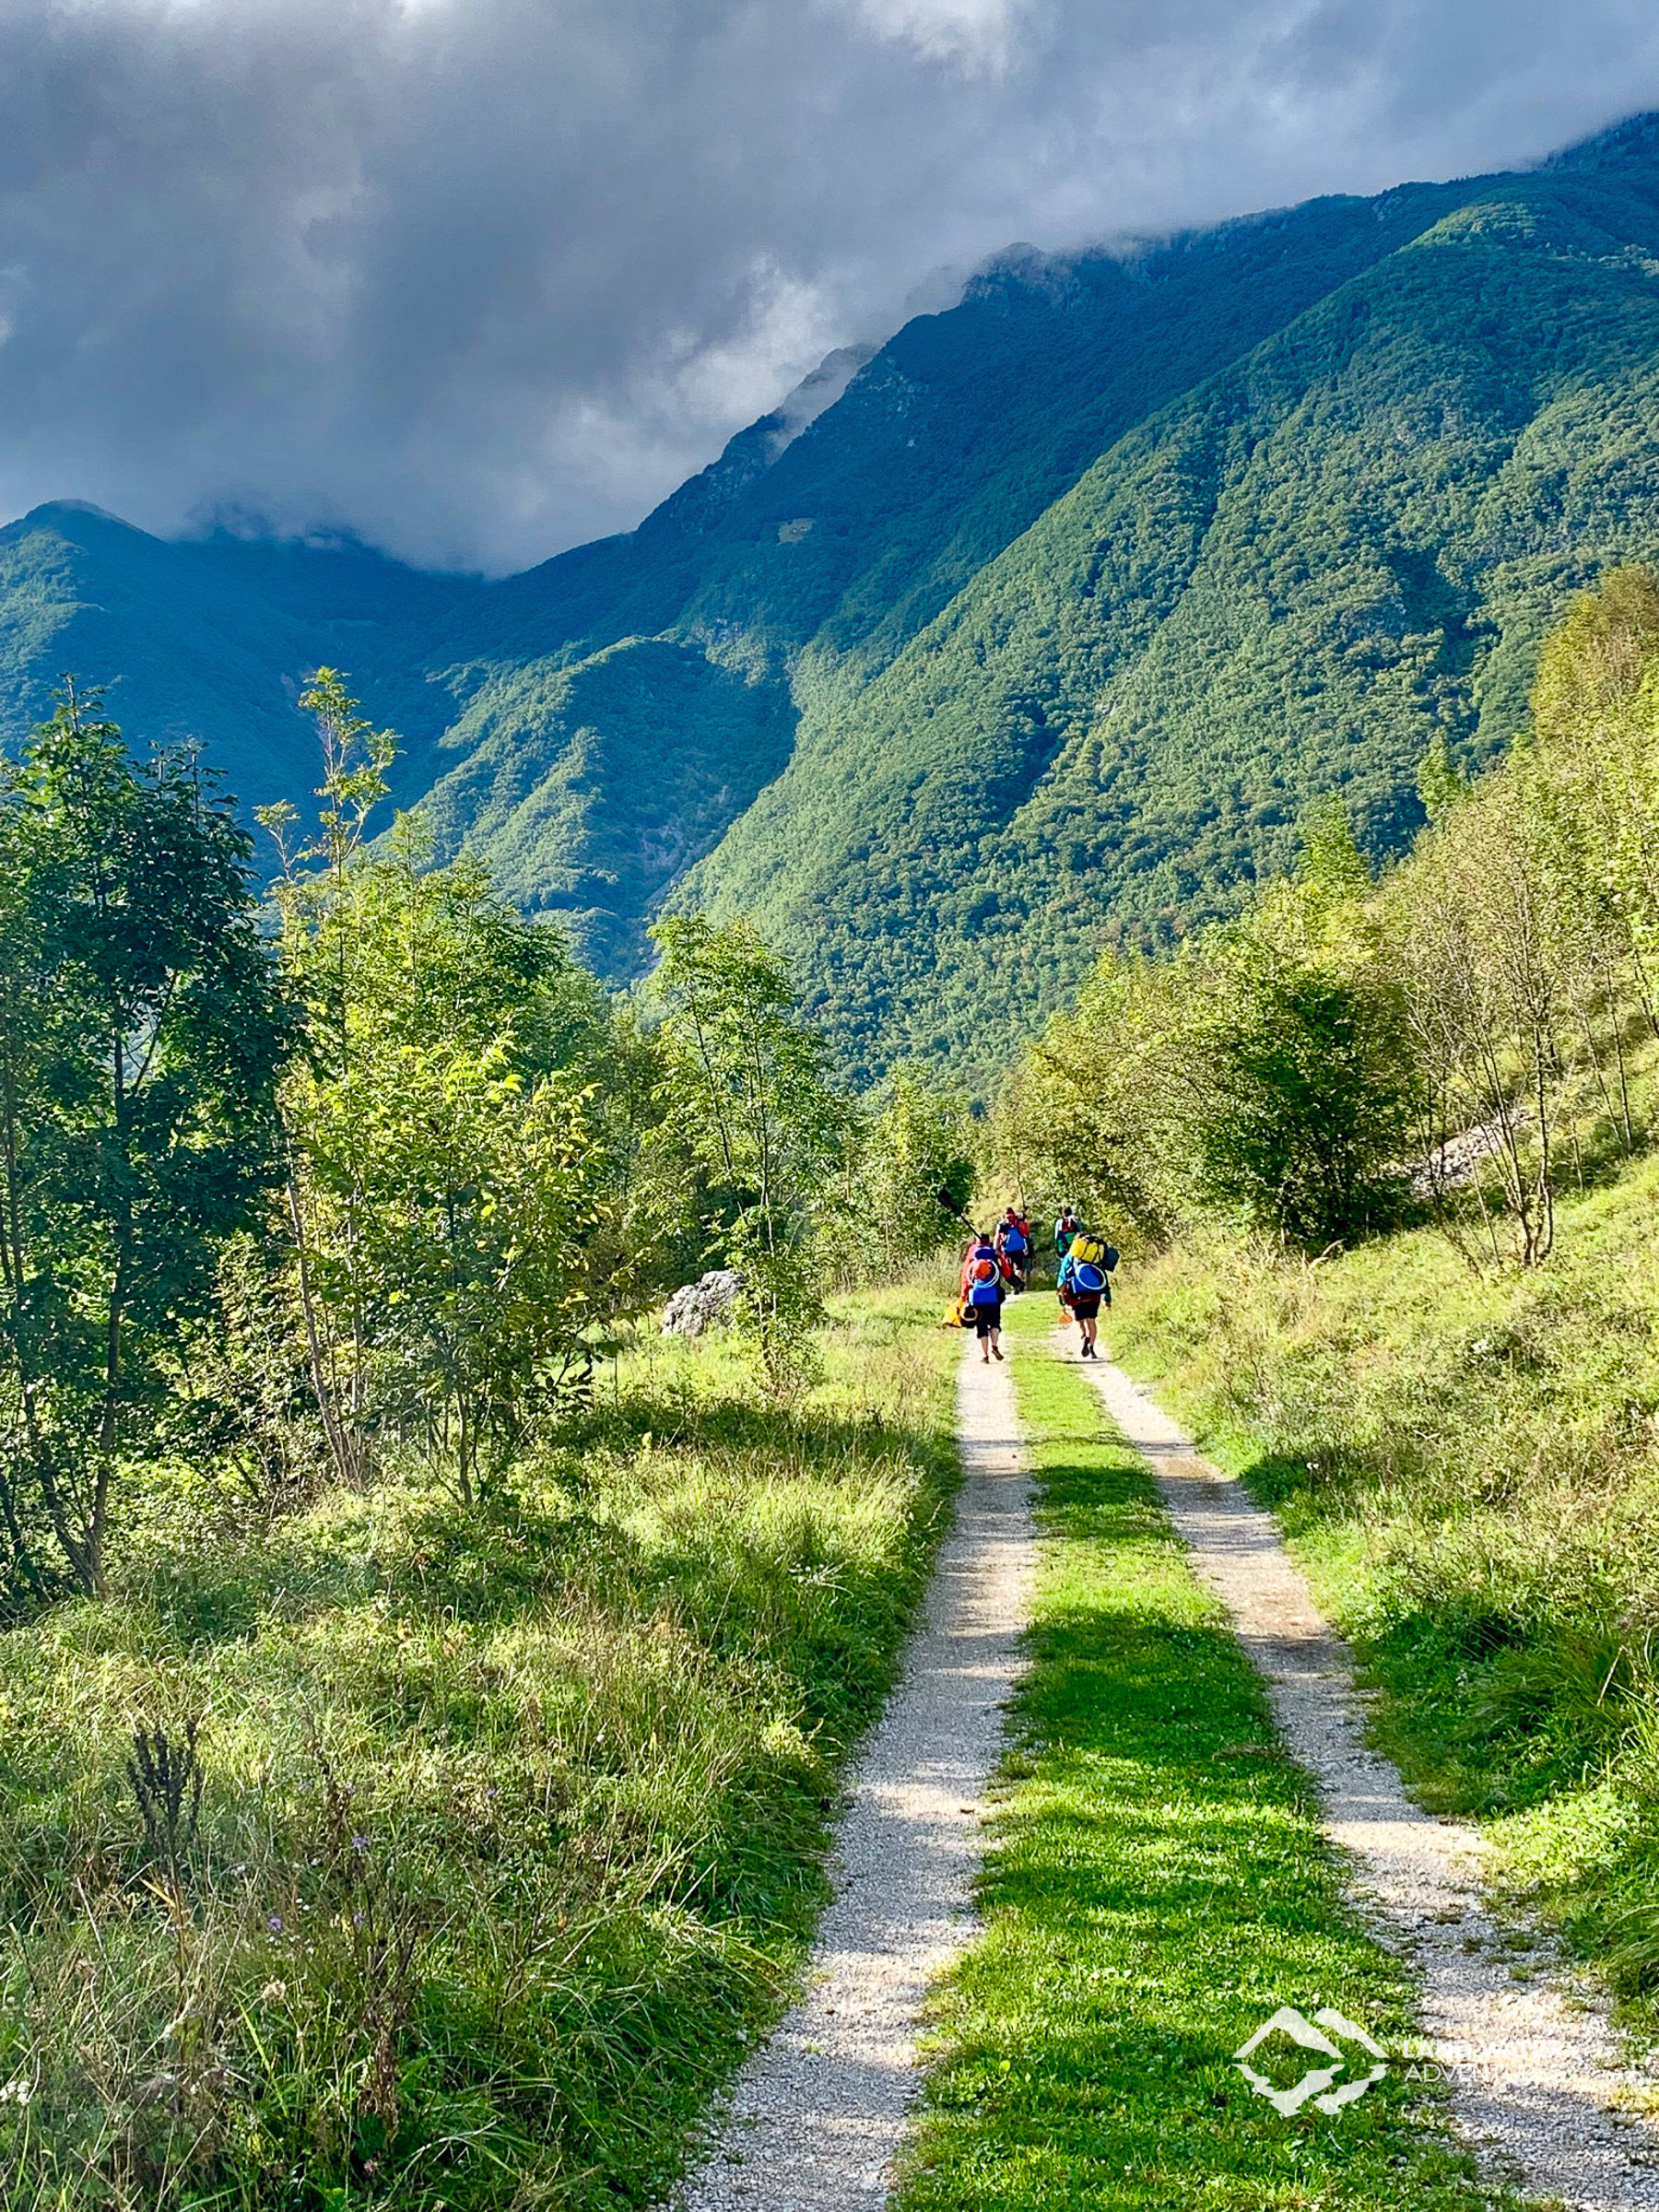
<point>1014,1248</point>
<point>1085,1286</point>
<point>982,1288</point>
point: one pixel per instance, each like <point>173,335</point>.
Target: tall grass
<point>511,1817</point>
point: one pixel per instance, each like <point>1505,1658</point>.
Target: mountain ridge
<point>1040,634</point>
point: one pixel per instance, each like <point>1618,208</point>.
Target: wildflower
<point>275,1924</point>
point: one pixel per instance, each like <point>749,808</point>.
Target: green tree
<point>1524,931</point>
<point>747,1078</point>
<point>141,1035</point>
<point>1100,1113</point>
<point>443,1175</point>
<point>917,1145</point>
<point>1305,1123</point>
<point>1309,1074</point>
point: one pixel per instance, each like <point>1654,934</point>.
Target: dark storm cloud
<point>478,277</point>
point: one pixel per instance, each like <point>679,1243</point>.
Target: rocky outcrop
<point>705,1305</point>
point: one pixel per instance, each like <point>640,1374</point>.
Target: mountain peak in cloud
<point>480,279</point>
<point>1630,144</point>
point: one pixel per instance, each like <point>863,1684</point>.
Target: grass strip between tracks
<point>1157,1886</point>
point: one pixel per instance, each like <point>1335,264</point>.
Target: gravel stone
<point>818,2112</point>
<point>1536,2075</point>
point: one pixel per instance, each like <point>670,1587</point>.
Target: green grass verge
<point>1468,1467</point>
<point>511,1818</point>
<point>1157,1886</point>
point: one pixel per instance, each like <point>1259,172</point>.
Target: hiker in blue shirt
<point>1013,1245</point>
<point>982,1288</point>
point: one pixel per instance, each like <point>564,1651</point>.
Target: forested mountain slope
<point>1282,583</point>
<point>205,640</point>
<point>794,570</point>
<point>1039,626</point>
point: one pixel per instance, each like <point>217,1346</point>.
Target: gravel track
<point>1536,2075</point>
<point>818,2112</point>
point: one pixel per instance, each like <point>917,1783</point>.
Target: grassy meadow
<point>398,1853</point>
<point>1467,1465</point>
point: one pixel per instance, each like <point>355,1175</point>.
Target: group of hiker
<point>998,1263</point>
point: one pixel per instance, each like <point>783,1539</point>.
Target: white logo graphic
<point>1316,2083</point>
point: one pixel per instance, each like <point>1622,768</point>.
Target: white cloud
<point>973,34</point>
<point>482,277</point>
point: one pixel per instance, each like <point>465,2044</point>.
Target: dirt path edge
<point>818,2114</point>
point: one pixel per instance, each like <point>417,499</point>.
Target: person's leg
<point>996,1337</point>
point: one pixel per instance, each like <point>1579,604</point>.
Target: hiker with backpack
<point>1013,1244</point>
<point>1085,1284</point>
<point>1066,1228</point>
<point>982,1288</point>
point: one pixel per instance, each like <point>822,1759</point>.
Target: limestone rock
<point>706,1304</point>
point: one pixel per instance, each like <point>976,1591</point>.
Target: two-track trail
<point>818,2112</point>
<point>1536,2079</point>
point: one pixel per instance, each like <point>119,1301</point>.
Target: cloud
<point>975,34</point>
<point>480,277</point>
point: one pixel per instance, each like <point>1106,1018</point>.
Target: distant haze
<point>478,278</point>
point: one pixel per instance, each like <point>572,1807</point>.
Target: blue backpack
<point>1088,1279</point>
<point>1013,1238</point>
<point>984,1290</point>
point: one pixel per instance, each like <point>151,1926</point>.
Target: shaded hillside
<point>205,640</point>
<point>592,787</point>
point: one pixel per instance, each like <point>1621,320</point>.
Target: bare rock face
<point>706,1304</point>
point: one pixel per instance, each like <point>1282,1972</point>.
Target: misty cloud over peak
<point>477,278</point>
